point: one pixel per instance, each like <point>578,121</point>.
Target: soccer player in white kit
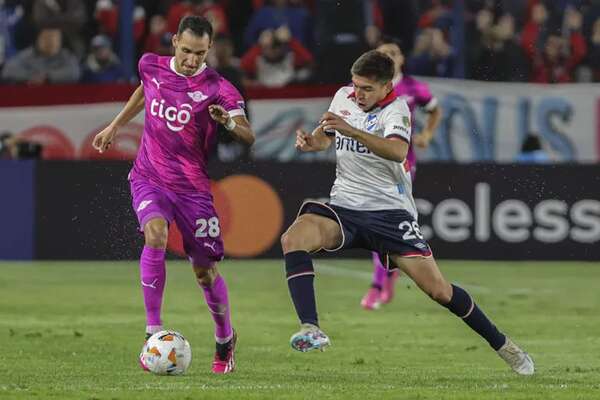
<point>371,207</point>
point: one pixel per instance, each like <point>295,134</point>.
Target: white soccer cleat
<point>518,360</point>
<point>310,337</point>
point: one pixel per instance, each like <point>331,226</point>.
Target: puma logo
<point>157,83</point>
<point>150,285</point>
<point>210,245</point>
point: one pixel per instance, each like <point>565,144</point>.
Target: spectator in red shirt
<point>210,9</point>
<point>277,60</point>
<point>553,54</point>
<point>107,16</point>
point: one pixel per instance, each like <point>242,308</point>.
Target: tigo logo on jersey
<point>197,96</point>
<point>176,119</point>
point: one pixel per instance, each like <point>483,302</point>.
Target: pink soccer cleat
<point>224,361</point>
<point>371,300</point>
<point>387,291</point>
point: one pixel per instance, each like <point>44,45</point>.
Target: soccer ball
<point>167,353</point>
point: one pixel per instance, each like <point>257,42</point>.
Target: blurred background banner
<point>481,121</point>
<point>475,211</point>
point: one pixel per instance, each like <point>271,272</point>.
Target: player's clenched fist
<point>332,122</point>
<point>218,113</point>
<point>103,139</point>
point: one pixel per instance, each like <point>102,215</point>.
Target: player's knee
<point>156,233</point>
<point>291,242</point>
<point>441,293</point>
<point>205,276</point>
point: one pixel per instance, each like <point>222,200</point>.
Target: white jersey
<point>365,181</point>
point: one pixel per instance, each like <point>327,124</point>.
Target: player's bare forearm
<point>134,105</point>
<point>320,140</point>
<point>242,132</point>
<point>433,121</point>
<point>390,149</point>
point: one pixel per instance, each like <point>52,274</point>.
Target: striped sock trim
<point>470,308</point>
<point>301,274</point>
<point>224,340</point>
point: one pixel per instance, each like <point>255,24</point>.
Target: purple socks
<point>379,272</point>
<point>153,276</point>
<point>218,305</point>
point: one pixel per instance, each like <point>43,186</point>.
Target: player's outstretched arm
<point>388,148</point>
<point>238,126</point>
<point>434,118</point>
<point>316,141</point>
<point>134,105</point>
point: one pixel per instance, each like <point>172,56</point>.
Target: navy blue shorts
<point>387,232</point>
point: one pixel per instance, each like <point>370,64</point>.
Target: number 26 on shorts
<point>208,227</point>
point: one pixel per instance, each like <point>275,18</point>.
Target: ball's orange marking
<point>154,351</point>
<point>173,357</point>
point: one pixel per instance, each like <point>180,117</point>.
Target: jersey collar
<point>387,100</point>
<point>172,66</point>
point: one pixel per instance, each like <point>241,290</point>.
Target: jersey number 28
<point>213,227</point>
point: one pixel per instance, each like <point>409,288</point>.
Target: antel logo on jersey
<point>175,118</point>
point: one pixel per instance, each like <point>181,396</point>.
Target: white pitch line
<point>333,270</point>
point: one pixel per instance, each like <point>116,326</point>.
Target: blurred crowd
<point>274,43</point>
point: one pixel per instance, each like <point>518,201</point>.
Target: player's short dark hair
<point>199,26</point>
<point>374,65</point>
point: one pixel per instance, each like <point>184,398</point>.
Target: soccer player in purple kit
<point>184,100</point>
<point>416,94</point>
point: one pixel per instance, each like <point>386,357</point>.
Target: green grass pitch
<point>73,330</point>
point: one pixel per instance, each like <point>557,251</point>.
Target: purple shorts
<point>193,213</point>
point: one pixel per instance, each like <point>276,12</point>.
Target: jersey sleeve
<point>397,122</point>
<point>424,98</point>
<point>143,66</point>
<point>230,99</point>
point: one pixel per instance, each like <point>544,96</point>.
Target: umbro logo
<point>143,205</point>
<point>345,112</point>
<point>197,96</point>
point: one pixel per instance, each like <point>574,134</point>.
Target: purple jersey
<point>416,94</point>
<point>179,134</point>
